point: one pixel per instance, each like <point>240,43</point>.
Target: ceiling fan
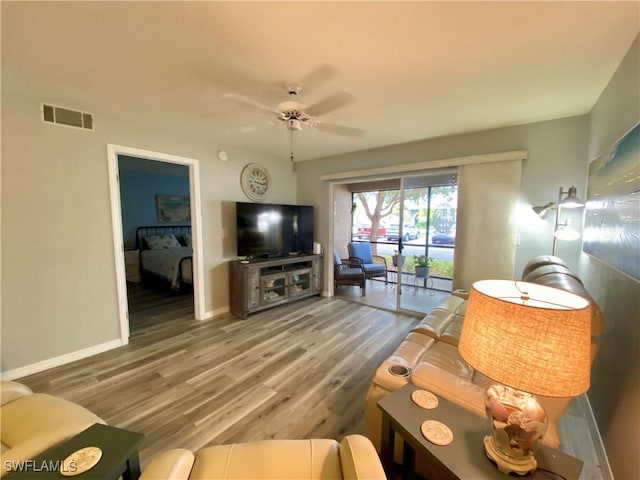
<point>297,116</point>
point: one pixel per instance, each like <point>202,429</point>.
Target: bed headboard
<point>145,231</point>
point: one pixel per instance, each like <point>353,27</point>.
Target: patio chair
<point>348,272</point>
<point>374,265</point>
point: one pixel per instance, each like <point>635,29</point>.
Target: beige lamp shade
<point>530,337</point>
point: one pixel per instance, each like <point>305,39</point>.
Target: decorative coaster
<point>424,399</point>
<point>436,432</point>
<point>80,461</point>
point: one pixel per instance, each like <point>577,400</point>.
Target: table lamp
<point>533,340</point>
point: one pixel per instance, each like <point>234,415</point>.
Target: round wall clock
<point>256,182</point>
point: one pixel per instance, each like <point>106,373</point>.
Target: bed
<point>166,255</point>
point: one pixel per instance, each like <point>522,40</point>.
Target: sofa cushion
<point>549,272</point>
<point>389,374</point>
<point>445,357</point>
<point>411,349</point>
<point>359,459</point>
<point>436,321</point>
<point>32,415</point>
<point>451,334</point>
<point>541,261</point>
<point>560,277</point>
<point>9,391</point>
<point>172,464</point>
<point>313,459</point>
<point>443,372</point>
<point>32,423</point>
<point>353,458</point>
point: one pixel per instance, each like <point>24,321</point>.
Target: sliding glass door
<point>407,220</point>
<point>426,242</point>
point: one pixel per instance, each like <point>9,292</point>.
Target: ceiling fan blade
<point>251,102</point>
<point>339,129</point>
<point>316,76</point>
<point>234,75</point>
<point>330,103</point>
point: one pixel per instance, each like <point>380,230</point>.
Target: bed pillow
<point>159,242</point>
<point>186,240</point>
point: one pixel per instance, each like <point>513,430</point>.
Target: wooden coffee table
<point>464,457</point>
<point>119,456</point>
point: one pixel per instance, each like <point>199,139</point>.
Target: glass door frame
<point>404,182</point>
<point>400,262</point>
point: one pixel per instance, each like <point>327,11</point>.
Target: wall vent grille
<point>67,117</point>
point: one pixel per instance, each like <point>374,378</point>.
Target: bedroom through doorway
<point>156,228</point>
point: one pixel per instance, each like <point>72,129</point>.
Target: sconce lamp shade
<point>572,200</point>
<point>530,337</point>
<point>566,232</point>
<point>544,209</point>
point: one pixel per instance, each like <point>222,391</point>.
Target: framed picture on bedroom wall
<point>173,208</point>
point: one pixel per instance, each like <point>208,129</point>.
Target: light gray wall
<point>342,226</point>
<point>557,151</point>
<point>58,266</point>
<point>615,389</point>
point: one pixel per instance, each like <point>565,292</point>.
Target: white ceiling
<point>417,69</point>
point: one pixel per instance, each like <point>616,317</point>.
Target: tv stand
<point>260,284</point>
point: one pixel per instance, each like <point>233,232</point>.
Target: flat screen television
<point>273,230</point>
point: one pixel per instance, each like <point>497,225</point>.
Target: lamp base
<point>506,465</point>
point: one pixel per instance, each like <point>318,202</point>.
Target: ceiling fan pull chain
<point>291,143</point>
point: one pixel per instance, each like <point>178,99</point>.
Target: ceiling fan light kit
<point>294,124</point>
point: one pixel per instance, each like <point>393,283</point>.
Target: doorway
<point>114,152</point>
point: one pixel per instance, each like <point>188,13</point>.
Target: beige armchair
<point>353,458</point>
<point>32,422</point>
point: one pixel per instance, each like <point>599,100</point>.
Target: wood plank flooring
<point>297,371</point>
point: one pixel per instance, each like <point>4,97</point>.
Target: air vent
<point>66,116</point>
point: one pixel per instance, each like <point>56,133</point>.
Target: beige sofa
<point>353,458</point>
<point>31,422</point>
<point>429,358</point>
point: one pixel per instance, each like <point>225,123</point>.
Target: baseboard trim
<point>598,444</point>
<point>214,313</point>
<point>59,360</point>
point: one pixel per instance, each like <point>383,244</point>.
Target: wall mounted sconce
<point>564,231</point>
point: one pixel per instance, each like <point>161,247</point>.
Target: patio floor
<point>415,296</point>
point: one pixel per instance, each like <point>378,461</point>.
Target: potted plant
<point>397,259</point>
<point>422,264</point>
